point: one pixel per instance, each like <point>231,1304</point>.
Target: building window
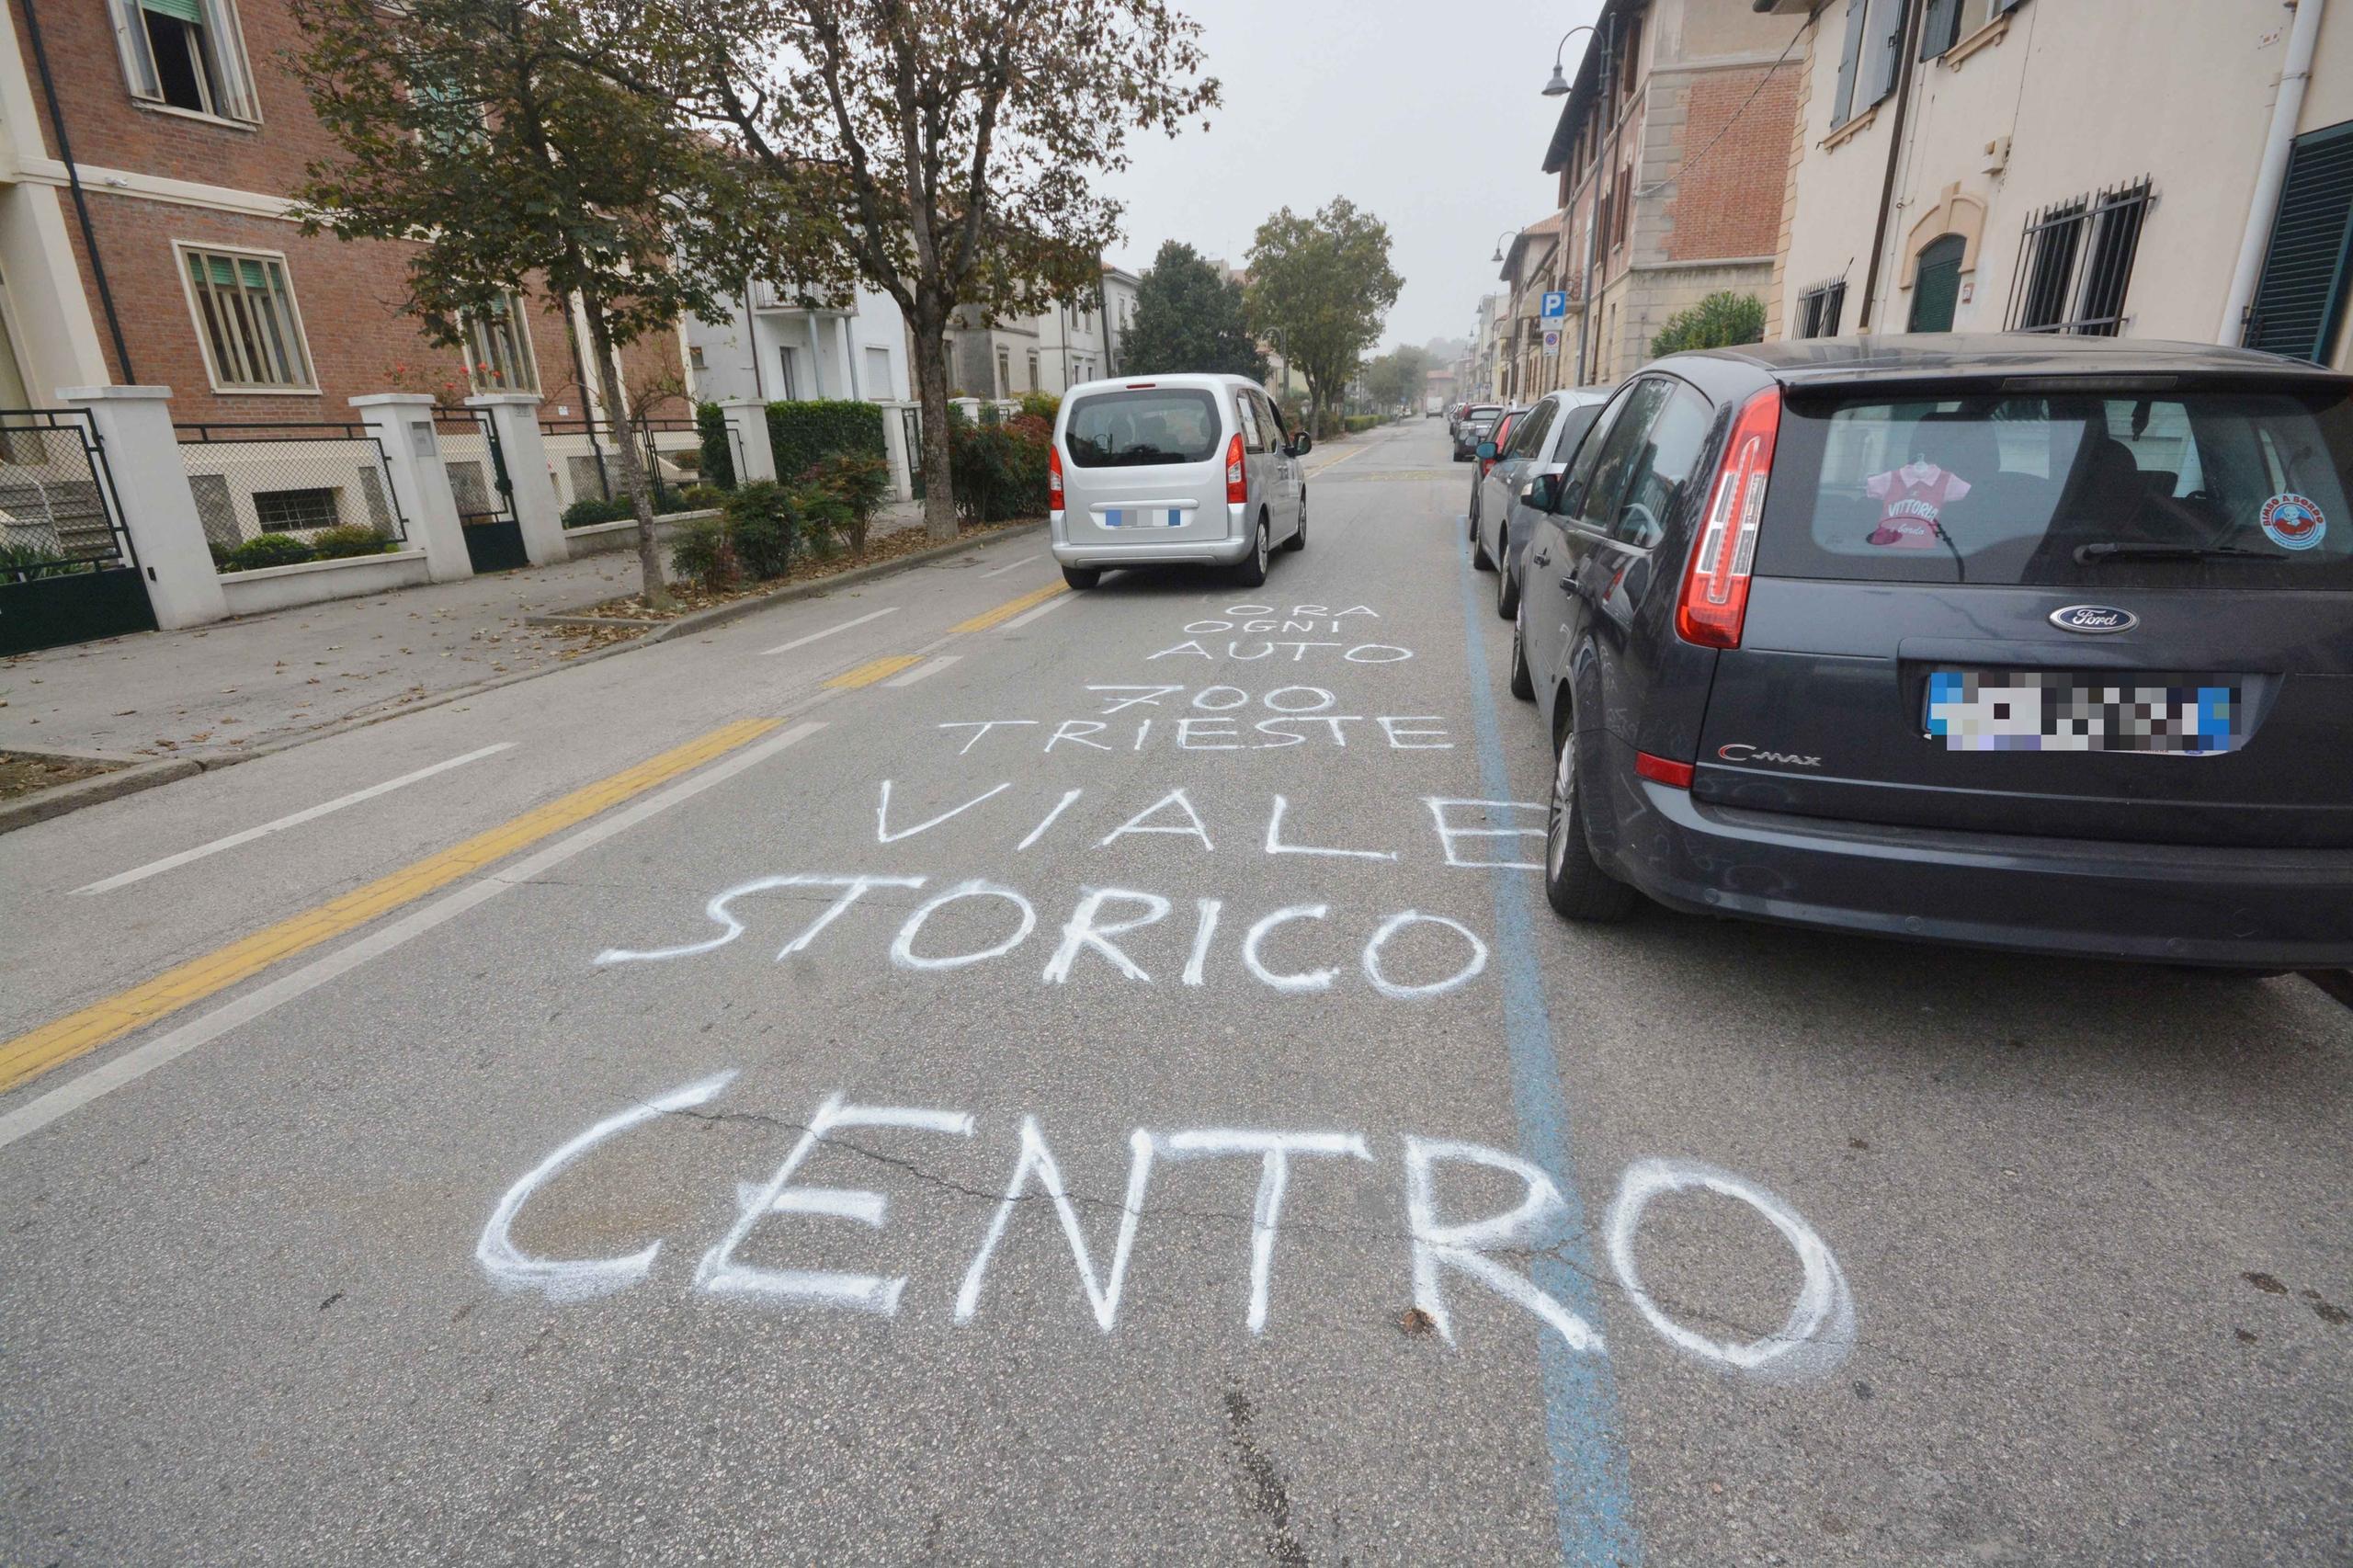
<point>290,511</point>
<point>694,356</point>
<point>186,54</point>
<point>1004,372</point>
<point>2076,263</point>
<point>1949,21</point>
<point>1820,307</point>
<point>246,315</point>
<point>1033,370</point>
<point>789,364</point>
<point>1869,55</point>
<point>498,349</point>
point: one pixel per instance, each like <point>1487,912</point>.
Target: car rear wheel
<point>1506,585</point>
<point>1299,539</point>
<point>1575,883</point>
<point>1252,573</point>
<point>1480,560</point>
<point>1523,684</point>
<point>1082,577</point>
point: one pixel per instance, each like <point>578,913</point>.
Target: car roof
<point>1177,379</point>
<point>1951,355</point>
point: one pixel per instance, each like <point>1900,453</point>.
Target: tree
<point>1719,320</point>
<point>478,132</point>
<point>1394,381</point>
<point>1189,318</point>
<point>948,151</point>
<point>1324,284</point>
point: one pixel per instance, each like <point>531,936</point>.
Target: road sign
<point>1556,305</point>
<point>1552,344</point>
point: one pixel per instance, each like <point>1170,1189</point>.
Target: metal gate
<point>476,459</point>
<point>68,573</point>
<point>911,427</point>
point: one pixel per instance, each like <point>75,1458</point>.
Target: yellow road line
<point>30,1054</point>
<point>873,670</point>
<point>1338,461</point>
<point>1005,612</point>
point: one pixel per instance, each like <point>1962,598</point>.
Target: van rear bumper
<point>2161,903</point>
<point>1148,551</point>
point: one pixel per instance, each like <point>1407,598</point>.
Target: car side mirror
<point>1541,492</point>
<point>1486,451</point>
<point>1301,444</point>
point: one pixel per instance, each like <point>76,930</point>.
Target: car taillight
<point>1054,477</point>
<point>1664,770</point>
<point>1715,590</point>
<point>1237,489</point>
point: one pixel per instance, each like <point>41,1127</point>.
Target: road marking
<point>828,631</point>
<point>311,813</point>
<point>1592,1494</point>
<point>1007,611</point>
<point>1027,615</point>
<point>872,670</point>
<point>1001,571</point>
<point>1336,463</point>
<point>141,1060</point>
<point>183,985</point>
<point>924,671</point>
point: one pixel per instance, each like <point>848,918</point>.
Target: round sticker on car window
<point>2292,522</point>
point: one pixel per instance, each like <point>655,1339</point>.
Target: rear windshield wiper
<point>2091,554</point>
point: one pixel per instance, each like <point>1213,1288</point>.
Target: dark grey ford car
<point>2022,641</point>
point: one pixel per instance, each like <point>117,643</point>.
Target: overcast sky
<point>1428,113</point>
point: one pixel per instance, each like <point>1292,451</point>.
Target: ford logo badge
<point>2094,618</point>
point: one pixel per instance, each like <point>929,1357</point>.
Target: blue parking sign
<point>1556,303</point>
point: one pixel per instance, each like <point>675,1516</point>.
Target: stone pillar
<point>403,423</point>
<point>515,415</point>
<point>143,458</point>
<point>747,422</point>
<point>894,445</point>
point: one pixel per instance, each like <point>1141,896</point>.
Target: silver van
<point>1168,471</point>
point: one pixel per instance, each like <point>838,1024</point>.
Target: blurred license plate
<point>1143,517</point>
<point>2023,711</point>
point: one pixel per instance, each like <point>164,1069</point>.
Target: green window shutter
<point>2300,299</point>
<point>190,11</point>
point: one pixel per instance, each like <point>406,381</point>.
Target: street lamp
<point>1560,83</point>
<point>1508,234</point>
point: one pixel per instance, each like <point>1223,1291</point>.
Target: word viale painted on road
<point>1440,1254</point>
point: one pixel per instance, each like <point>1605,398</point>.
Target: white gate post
<point>894,445</point>
<point>402,424</point>
<point>515,417</point>
<point>142,457</point>
<point>747,419</point>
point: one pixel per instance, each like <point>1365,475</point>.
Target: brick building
<point>163,253</point>
<point>1671,151</point>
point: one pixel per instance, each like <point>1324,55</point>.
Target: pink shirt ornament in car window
<point>1910,499</point>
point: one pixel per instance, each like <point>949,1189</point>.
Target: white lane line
<point>1001,571</point>
<point>309,814</point>
<point>37,1113</point>
<point>928,667</point>
<point>1027,615</point>
<point>820,636</point>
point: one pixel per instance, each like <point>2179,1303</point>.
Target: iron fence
<point>255,479</point>
<point>586,455</point>
<point>2076,263</point>
<point>57,506</point>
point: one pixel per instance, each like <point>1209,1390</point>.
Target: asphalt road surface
<point>961,1071</point>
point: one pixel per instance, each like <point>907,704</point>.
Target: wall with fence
<point>584,459</point>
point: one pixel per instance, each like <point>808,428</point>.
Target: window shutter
<point>1842,105</point>
<point>236,78</point>
<point>1941,29</point>
<point>1887,49</point>
<point>2300,299</point>
<point>2004,8</point>
<point>138,60</point>
<point>188,11</point>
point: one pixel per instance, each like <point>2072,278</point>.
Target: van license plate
<point>1143,517</point>
<point>2022,711</point>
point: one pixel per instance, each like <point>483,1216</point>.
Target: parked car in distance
<point>1184,469</point>
<point>2040,644</point>
<point>1492,443</point>
<point>1542,440</point>
<point>1471,429</point>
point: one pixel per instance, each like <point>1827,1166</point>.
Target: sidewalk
<point>241,684</point>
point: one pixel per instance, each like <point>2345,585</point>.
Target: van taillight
<point>1715,590</point>
<point>1237,489</point>
<point>1054,477</point>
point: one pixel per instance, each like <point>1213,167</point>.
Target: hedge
<point>718,452</point>
<point>801,433</point>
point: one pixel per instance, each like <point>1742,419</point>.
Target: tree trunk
<point>931,392</point>
<point>652,588</point>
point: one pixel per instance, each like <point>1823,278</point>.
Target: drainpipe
<point>1907,46</point>
<point>81,202</point>
<point>2286,110</point>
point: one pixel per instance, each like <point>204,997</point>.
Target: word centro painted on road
<point>1815,1338</point>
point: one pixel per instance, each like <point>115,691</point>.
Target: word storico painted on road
<point>1815,1337</point>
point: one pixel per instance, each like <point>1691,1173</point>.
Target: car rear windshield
<point>1139,428</point>
<point>1484,412</point>
<point>2177,489</point>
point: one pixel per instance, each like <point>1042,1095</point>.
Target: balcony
<point>769,297</point>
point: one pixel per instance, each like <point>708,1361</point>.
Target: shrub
<point>1042,406</point>
<point>270,549</point>
<point>596,509</point>
<point>718,452</point>
<point>859,483</point>
<point>701,551</point>
<point>29,563</point>
<point>1719,320</point>
<point>703,497</point>
<point>801,433</point>
<point>336,544</point>
<point>762,522</point>
<point>998,469</point>
<point>1357,424</point>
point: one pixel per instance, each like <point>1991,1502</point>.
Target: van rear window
<point>2186,489</point>
<point>1137,430</point>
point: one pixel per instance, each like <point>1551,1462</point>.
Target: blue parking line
<point>1592,1494</point>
